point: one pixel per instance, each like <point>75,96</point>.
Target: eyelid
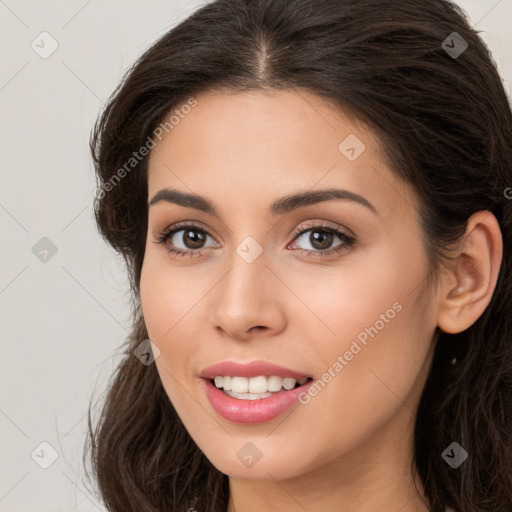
<point>322,224</point>
<point>178,226</point>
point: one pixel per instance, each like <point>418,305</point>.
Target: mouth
<point>248,407</point>
<point>254,388</point>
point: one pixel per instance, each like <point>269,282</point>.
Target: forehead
<point>255,119</point>
<point>254,143</point>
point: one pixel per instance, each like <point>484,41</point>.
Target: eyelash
<point>347,240</point>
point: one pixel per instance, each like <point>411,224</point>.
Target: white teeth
<point>240,384</point>
<point>247,396</point>
<point>226,383</point>
<point>289,383</point>
<point>257,386</point>
<point>275,383</point>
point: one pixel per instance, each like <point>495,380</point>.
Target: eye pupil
<point>196,239</point>
<point>322,236</point>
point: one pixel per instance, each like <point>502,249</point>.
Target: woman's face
<point>347,309</point>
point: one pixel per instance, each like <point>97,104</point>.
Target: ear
<point>467,287</point>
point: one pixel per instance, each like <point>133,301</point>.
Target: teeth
<point>275,383</point>
<point>240,384</point>
<point>257,386</point>
<point>247,396</point>
<point>226,383</point>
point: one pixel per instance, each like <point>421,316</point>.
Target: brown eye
<point>321,239</point>
<point>193,239</point>
<point>184,240</point>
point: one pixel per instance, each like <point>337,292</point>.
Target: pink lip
<point>252,369</point>
<point>253,411</point>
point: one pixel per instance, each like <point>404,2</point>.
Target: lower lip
<point>253,411</point>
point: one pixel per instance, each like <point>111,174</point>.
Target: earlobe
<point>468,286</point>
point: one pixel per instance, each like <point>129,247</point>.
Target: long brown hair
<point>440,110</point>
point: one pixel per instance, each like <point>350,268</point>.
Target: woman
<point>312,199</point>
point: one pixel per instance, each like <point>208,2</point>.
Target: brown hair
<point>445,124</point>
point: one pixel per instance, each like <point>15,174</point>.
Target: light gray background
<point>63,320</point>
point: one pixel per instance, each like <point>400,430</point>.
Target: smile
<point>247,407</point>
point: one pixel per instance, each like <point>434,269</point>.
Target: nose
<point>248,300</point>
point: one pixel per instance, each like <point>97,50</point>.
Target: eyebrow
<point>280,206</point>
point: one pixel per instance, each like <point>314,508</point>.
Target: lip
<point>253,411</point>
<point>250,369</point>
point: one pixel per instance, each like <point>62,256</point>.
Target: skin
<point>350,447</point>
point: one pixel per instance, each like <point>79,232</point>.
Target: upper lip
<point>250,369</point>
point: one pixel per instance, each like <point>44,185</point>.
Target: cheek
<point>163,305</point>
<point>172,299</point>
<point>368,289</point>
<point>156,303</point>
<point>168,294</point>
<point>164,308</point>
<point>372,329</point>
